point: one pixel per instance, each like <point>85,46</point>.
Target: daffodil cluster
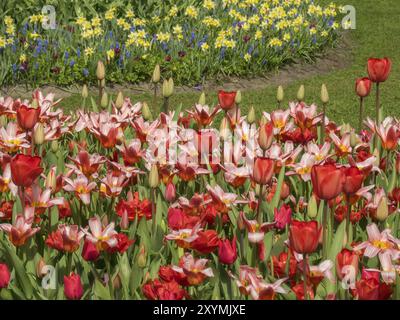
<point>203,39</point>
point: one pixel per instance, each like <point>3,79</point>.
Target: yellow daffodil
<point>89,51</point>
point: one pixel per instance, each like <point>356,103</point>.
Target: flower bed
<point>191,42</point>
<point>124,206</point>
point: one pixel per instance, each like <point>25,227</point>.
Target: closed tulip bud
<point>312,207</point>
<point>353,139</point>
<point>124,223</point>
<point>104,100</point>
<point>263,170</point>
<point>398,163</point>
<point>263,121</point>
<point>265,136</point>
<point>304,236</point>
<point>35,103</point>
<point>238,97</point>
<point>344,260</point>
<point>202,99</point>
<point>156,74</point>
<point>165,88</point>
<point>38,134</point>
<point>90,251</point>
<point>251,116</point>
<point>104,220</point>
<point>40,271</point>
<point>54,146</point>
<point>324,94</point>
<point>301,93</point>
<point>240,223</point>
<point>168,88</point>
<point>346,128</point>
<point>85,91</point>
<point>327,180</point>
<point>382,211</point>
<point>224,129</point>
<point>170,192</point>
<point>120,100</point>
<point>377,157</point>
<point>3,121</point>
<point>363,87</point>
<point>280,94</point>
<point>142,257</point>
<point>117,282</point>
<point>171,86</point>
<point>73,289</point>
<point>51,180</point>
<point>153,177</point>
<point>4,276</point>
<point>146,113</point>
<point>227,252</point>
<point>100,70</point>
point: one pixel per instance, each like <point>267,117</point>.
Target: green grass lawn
<point>377,30</point>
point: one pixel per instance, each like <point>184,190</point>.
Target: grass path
<point>377,34</point>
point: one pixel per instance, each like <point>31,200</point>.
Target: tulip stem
<point>325,230</point>
<point>323,123</point>
<point>305,276</point>
<point>361,114</point>
<point>110,280</point>
<point>377,110</point>
<point>22,197</point>
<point>49,215</point>
<point>69,262</point>
<point>378,104</point>
<point>165,105</point>
<point>153,208</point>
<point>100,92</point>
<point>237,115</point>
<point>348,221</point>
<point>260,196</point>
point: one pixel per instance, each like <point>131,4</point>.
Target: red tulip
<point>363,87</point>
<point>327,181</point>
<point>226,99</point>
<point>227,252</point>
<point>283,216</point>
<point>73,289</point>
<point>298,289</point>
<point>379,69</point>
<point>206,242</point>
<point>371,289</point>
<point>280,263</point>
<point>123,244</point>
<point>25,169</point>
<point>89,251</point>
<point>157,290</point>
<point>27,117</point>
<point>263,170</point>
<point>4,276</point>
<point>266,135</point>
<point>177,219</point>
<point>353,179</point>
<point>304,236</point>
<point>170,192</point>
<point>346,258</point>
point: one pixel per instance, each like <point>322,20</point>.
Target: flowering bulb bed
<point>204,39</point>
<point>117,205</point>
